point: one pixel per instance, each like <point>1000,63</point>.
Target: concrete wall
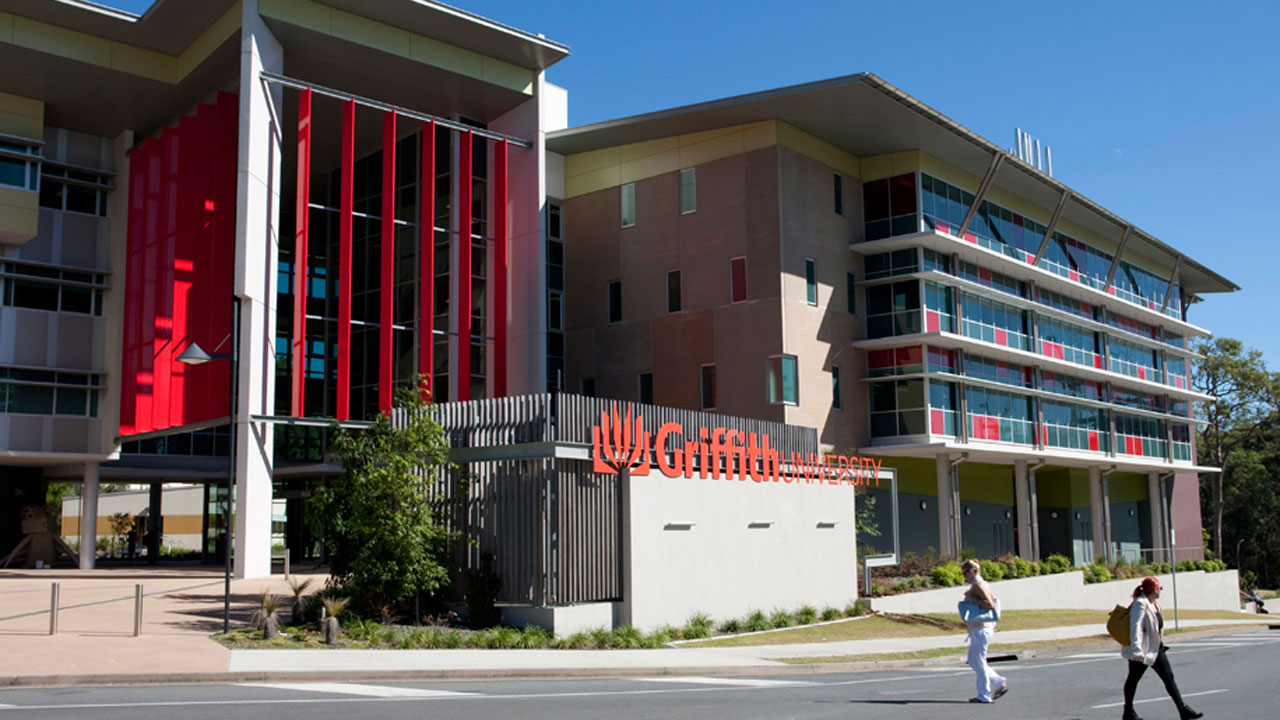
<point>1196,591</point>
<point>728,563</point>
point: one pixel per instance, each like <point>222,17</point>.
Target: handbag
<point>972,612</point>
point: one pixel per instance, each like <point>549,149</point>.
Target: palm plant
<point>267,616</point>
<point>333,607</point>
<point>299,587</point>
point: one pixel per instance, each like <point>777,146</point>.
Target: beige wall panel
<point>1090,237</point>
<point>592,181</point>
<point>371,33</point>
<point>711,148</point>
<point>759,135</point>
<point>217,33</point>
<point>650,165</point>
<point>183,524</point>
<point>1017,203</point>
<point>61,41</point>
<point>19,215</point>
<point>642,150</point>
<point>304,13</point>
<point>21,116</point>
<point>876,167</point>
<point>143,63</point>
<point>905,162</point>
<point>950,173</point>
<point>820,150</point>
<point>582,163</point>
<point>32,330</point>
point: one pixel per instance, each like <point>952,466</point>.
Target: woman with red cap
<point>1146,648</point>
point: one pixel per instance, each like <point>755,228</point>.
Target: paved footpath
<point>183,606</point>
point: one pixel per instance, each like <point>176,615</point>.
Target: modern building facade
<point>312,187</point>
<point>334,199</point>
<point>841,256</point>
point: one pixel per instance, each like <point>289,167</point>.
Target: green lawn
<point>896,626</point>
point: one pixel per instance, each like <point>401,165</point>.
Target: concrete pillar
<point>89,517</point>
<point>1155,502</point>
<point>1033,514</point>
<point>1108,547</point>
<point>948,508</point>
<point>155,522</point>
<point>258,205</point>
<point>1096,512</point>
<point>1022,510</point>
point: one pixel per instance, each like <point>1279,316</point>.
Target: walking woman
<point>1146,648</point>
<point>991,687</point>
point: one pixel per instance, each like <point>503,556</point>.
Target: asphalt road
<point>1226,676</point>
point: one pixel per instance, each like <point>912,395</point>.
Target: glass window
<point>673,291</point>
<point>615,301</point>
<point>811,281</point>
<point>708,387</point>
<point>553,220</point>
<point>645,388</point>
<point>783,386</point>
<point>835,387</point>
<point>688,191</point>
<point>555,312</point>
<point>589,387</point>
<point>738,279</point>
<point>837,184</point>
<point>629,205</point>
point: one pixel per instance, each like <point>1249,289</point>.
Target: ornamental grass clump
<point>332,607</point>
<point>266,617</point>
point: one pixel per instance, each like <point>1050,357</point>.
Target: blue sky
<point>1166,113</point>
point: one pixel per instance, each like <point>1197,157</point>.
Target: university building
<point>333,198</point>
<point>841,256</point>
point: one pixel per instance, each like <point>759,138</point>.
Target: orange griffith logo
<point>621,443</point>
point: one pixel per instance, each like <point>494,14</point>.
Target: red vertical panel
<point>386,296</point>
<point>500,269</point>
<point>222,265</point>
<point>463,309</point>
<point>129,366</point>
<point>344,259</point>
<point>426,259</point>
<point>301,227</point>
<point>186,176</point>
<point>203,301</point>
<point>166,255</point>
<point>149,283</point>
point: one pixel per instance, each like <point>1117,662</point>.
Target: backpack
<point>1118,624</point>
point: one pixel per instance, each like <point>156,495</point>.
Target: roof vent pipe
<point>1039,157</point>
<point>1048,156</point>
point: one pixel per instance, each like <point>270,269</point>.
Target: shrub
<point>576,641</point>
<point>781,619</point>
<point>806,615</point>
<point>1096,573</point>
<point>536,637</point>
<point>1187,566</point>
<point>626,637</point>
<point>600,637</point>
<point>1036,568</point>
<point>948,574</point>
<point>1248,580</point>
<point>991,570</point>
<point>858,608</point>
<point>698,627</point>
<point>1055,564</point>
<point>1160,568</point>
<point>967,553</point>
<point>756,622</point>
<point>658,638</point>
<point>732,626</point>
<point>480,639</point>
<point>830,613</point>
<point>1016,567</point>
<point>266,617</point>
<point>505,637</point>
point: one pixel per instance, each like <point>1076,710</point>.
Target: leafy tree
<point>384,542</point>
<point>1245,399</point>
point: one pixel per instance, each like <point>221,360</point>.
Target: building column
<point>1155,503</point>
<point>89,517</point>
<point>1023,510</point>
<point>258,204</point>
<point>1096,502</point>
<point>948,508</point>
<point>1033,513</point>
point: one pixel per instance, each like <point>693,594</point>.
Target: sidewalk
<point>183,606</point>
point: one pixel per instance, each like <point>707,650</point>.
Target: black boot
<point>1186,713</point>
<point>1129,714</point>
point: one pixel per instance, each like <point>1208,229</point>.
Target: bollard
<point>137,610</point>
<point>286,563</point>
<point>53,609</point>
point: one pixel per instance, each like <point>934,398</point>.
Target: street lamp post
<point>194,355</point>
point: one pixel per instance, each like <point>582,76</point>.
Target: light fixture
<point>760,524</point>
<point>679,525</point>
<point>1077,516</point>
<point>194,355</point>
<point>828,523</point>
<point>1008,514</point>
<point>968,510</point>
<point>1132,512</point>
<point>1053,514</point>
<point>924,504</point>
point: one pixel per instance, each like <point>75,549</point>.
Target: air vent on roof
<point>1028,151</point>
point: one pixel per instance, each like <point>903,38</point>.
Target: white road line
<point>1081,656</point>
<point>380,691</point>
<point>1160,699</point>
<point>739,682</point>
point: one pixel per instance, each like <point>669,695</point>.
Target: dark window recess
<point>835,387</point>
<point>738,279</point>
<point>589,387</point>
<point>555,344</point>
<point>645,390</point>
<point>811,281</point>
<point>838,186</point>
<point>553,221</point>
<point>37,295</point>
<point>673,291</point>
<point>615,301</point>
<point>708,387</point>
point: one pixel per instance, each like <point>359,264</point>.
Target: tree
<point>1244,400</point>
<point>384,542</point>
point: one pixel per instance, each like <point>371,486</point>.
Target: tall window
<point>738,279</point>
<point>889,206</point>
<point>783,385</point>
<point>673,291</point>
<point>644,389</point>
<point>835,385</point>
<point>708,387</point>
<point>629,205</point>
<point>837,184</point>
<point>810,281</point>
<point>897,408</point>
<point>893,309</point>
<point>615,301</point>
<point>688,192</point>
<point>555,300</point>
<point>20,166</point>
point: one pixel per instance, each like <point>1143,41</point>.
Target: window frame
<point>679,292</point>
<point>702,387</point>
<point>811,281</point>
<point>837,183</point>
<point>609,304</point>
<point>780,396</point>
<point>692,196</point>
<point>627,202</point>
<point>836,403</point>
<point>640,378</point>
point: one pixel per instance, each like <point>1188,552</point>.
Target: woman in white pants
<point>990,685</point>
